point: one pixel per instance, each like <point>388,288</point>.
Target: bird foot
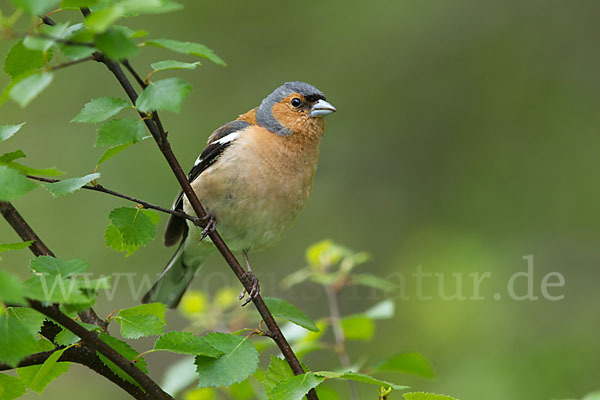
<point>254,291</point>
<point>209,227</point>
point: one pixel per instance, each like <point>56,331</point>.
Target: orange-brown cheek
<point>287,118</point>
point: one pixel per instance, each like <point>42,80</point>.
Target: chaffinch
<point>253,178</point>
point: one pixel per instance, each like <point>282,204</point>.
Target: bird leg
<point>255,290</point>
<point>209,227</point>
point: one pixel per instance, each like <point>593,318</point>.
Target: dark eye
<point>296,102</point>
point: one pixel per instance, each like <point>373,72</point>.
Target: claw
<point>211,225</point>
<point>254,290</point>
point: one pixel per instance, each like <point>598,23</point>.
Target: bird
<point>253,178</point>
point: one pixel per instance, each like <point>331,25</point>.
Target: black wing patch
<point>217,143</point>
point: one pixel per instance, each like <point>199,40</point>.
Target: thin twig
<point>68,64</point>
<point>338,333</point>
<point>145,204</point>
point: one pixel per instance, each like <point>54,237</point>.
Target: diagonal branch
<point>100,188</point>
<point>160,136</point>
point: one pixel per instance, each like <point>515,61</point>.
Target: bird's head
<point>294,107</point>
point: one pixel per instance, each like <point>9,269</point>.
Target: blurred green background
<point>466,138</point>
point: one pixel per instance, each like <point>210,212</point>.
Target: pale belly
<point>254,203</point>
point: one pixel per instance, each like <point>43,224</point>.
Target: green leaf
<point>120,131</point>
<point>374,281</point>
<point>13,185</point>
<point>358,377</point>
<point>77,3</point>
<point>239,361</point>
<point>186,343</point>
<point>21,60</point>
<point>6,158</point>
<point>137,326</point>
<point>282,308</point>
<point>592,396</point>
<point>7,131</point>
<point>36,7</point>
<point>142,320</point>
<point>28,317</point>
<point>101,20</point>
<point>114,240</point>
<point>157,310</point>
<point>29,87</point>
<point>15,246</point>
<point>296,387</point>
<point>55,266</point>
<point>55,289</point>
<point>11,289</point>
<point>101,109</point>
<point>16,341</point>
<point>37,377</point>
<point>149,6</point>
<point>426,396</point>
<point>113,151</point>
<point>51,33</point>
<point>167,94</point>
<point>31,171</point>
<point>135,227</point>
<point>11,387</point>
<point>126,351</point>
<point>358,327</point>
<point>279,371</point>
<point>171,64</point>
<point>67,186</point>
<point>407,363</point>
<point>115,44</point>
<point>193,49</point>
<point>67,338</point>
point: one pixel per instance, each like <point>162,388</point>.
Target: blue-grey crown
<point>264,116</point>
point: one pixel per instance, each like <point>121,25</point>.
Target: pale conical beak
<point>321,108</point>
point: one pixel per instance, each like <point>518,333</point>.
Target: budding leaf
<point>29,87</point>
<point>16,341</point>
<point>37,377</point>
<point>13,185</point>
<point>115,44</point>
<point>36,7</point>
<point>239,361</point>
<point>407,363</point>
<point>67,186</point>
<point>100,109</point>
<point>282,308</point>
<point>11,387</point>
<point>171,64</point>
<point>167,94</point>
<point>120,131</point>
<point>55,266</point>
<point>186,343</point>
<point>426,396</point>
<point>11,289</point>
<point>193,49</point>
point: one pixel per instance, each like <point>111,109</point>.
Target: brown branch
<point>69,63</point>
<point>145,204</point>
<point>84,356</point>
<point>160,136</point>
<point>90,339</point>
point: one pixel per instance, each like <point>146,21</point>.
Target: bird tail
<point>175,279</point>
